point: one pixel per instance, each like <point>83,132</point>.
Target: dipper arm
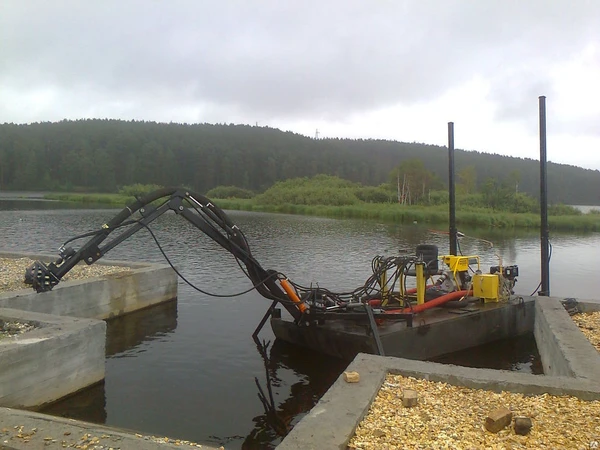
<point>197,209</point>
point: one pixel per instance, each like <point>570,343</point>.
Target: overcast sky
<point>367,69</point>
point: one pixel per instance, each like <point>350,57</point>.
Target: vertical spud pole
<point>544,230</point>
<point>451,189</point>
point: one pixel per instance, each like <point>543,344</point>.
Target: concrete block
<point>589,305</point>
<point>69,433</point>
<point>409,398</point>
<point>563,348</point>
<point>498,419</point>
<point>100,297</point>
<point>61,355</point>
<point>523,425</point>
<point>571,364</point>
<point>332,422</point>
<point>351,377</point>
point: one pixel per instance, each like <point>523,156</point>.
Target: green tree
<point>467,180</point>
<point>411,180</point>
<point>204,156</point>
<point>514,178</point>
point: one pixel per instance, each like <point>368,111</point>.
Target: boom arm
<point>199,211</point>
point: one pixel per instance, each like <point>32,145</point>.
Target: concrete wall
<point>69,433</point>
<point>563,348</point>
<point>588,306</point>
<point>67,352</point>
<point>331,423</point>
<point>571,366</point>
<point>98,298</point>
<point>60,356</point>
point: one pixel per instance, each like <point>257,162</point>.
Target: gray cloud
<point>514,93</point>
<point>290,60</point>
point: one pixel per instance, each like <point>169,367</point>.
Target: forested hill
<point>101,155</point>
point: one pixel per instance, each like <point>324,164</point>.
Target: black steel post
<point>544,230</point>
<point>451,190</point>
<point>374,330</point>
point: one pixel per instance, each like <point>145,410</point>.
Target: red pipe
<point>432,303</point>
<point>376,302</point>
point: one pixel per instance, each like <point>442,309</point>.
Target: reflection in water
<point>315,373</point>
<point>123,334</point>
<point>519,354</point>
<point>127,332</point>
<point>88,405</point>
<point>272,426</point>
<point>273,419</point>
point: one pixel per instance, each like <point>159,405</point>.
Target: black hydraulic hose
<point>206,216</point>
<point>140,203</point>
<point>238,247</point>
<point>273,275</point>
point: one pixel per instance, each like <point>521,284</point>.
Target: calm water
<point>187,369</point>
<point>586,208</point>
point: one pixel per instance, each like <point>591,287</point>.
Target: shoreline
<point>385,212</point>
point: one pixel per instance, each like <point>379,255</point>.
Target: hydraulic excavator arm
<point>195,208</point>
<point>308,305</point>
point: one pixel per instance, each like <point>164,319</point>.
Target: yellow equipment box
<point>460,263</point>
<point>486,286</point>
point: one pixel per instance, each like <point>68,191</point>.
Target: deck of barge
<point>434,332</point>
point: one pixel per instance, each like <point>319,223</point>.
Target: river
<point>187,369</point>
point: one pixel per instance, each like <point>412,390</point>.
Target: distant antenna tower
<point>317,133</point>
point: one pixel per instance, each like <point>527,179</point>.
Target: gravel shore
<point>589,324</point>
<point>12,272</point>
<point>451,417</point>
<point>12,329</point>
<point>27,430</point>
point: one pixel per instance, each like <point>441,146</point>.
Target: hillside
<point>100,155</point>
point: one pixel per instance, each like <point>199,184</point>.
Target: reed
<point>468,216</point>
<point>472,217</point>
<point>105,199</point>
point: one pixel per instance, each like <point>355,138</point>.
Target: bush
<point>470,200</point>
<point>371,194</point>
<point>319,190</point>
<point>563,210</point>
<point>230,192</point>
<point>438,198</point>
<point>138,189</point>
<point>524,204</point>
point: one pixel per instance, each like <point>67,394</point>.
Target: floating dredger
<point>376,317</point>
<point>455,305</point>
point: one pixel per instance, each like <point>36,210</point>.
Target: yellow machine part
<point>420,283</point>
<point>487,287</point>
<point>460,263</point>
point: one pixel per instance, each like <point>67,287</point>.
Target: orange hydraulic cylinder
<point>292,294</point>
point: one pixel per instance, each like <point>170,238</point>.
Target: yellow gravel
<point>589,324</point>
<point>12,272</point>
<point>451,417</point>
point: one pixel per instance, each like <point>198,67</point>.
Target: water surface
<point>189,369</point>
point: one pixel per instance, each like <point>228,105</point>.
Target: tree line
<point>103,155</point>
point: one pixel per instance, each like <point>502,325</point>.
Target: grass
<point>474,217</point>
<point>105,199</point>
<point>386,212</point>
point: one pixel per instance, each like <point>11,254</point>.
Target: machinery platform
<point>434,332</point>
